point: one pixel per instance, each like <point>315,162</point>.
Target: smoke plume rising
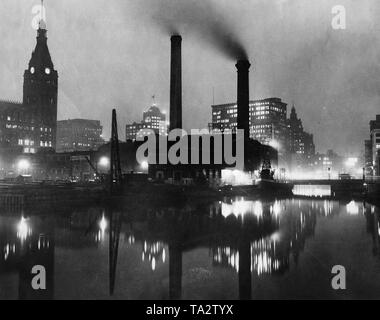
<point>200,18</point>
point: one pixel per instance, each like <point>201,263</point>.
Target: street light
<point>144,165</point>
<point>23,165</point>
<point>104,162</point>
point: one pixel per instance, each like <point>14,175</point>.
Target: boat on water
<point>265,186</point>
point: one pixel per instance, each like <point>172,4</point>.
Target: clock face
<point>32,70</point>
<point>47,71</point>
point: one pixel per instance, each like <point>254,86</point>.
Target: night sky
<point>115,53</point>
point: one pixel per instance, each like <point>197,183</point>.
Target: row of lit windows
<point>25,142</point>
<point>15,126</point>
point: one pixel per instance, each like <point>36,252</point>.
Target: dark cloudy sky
<point>115,53</point>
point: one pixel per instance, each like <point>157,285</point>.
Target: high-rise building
<point>32,124</point>
<point>153,119</point>
<point>267,121</point>
<point>269,126</point>
<point>79,135</point>
<point>372,148</point>
<point>301,146</point>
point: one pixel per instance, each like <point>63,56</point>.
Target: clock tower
<point>41,91</point>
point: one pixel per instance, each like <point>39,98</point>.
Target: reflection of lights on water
<point>43,242</point>
<point>242,207</point>
<point>352,208</point>
<point>262,252</point>
<point>275,236</point>
<point>23,230</point>
<point>227,255</point>
<point>276,208</point>
<point>103,224</point>
<point>9,249</point>
<point>131,239</point>
<point>327,206</point>
<point>153,253</point>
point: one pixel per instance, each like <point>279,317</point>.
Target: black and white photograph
<point>192,155</point>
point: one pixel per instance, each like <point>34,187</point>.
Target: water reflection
<point>372,214</point>
<point>246,238</point>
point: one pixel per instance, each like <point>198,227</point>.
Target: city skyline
<point>195,150</point>
<point>327,87</point>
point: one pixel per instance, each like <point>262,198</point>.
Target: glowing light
<point>103,224</point>
<point>23,164</point>
<point>275,237</point>
<point>163,256</point>
<point>23,230</point>
<point>351,162</point>
<point>352,208</point>
<point>236,177</point>
<point>144,165</point>
<point>104,162</point>
<point>312,190</point>
<point>276,208</point>
<point>242,207</point>
<point>275,144</point>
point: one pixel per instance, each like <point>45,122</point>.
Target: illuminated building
<point>300,143</point>
<point>79,135</point>
<point>32,124</point>
<point>372,148</point>
<point>368,158</point>
<point>267,120</point>
<point>153,119</point>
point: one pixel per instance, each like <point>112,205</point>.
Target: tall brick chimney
<point>176,83</point>
<point>243,97</point>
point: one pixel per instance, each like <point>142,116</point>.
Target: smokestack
<point>176,83</point>
<point>243,97</point>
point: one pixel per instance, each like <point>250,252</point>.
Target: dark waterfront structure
<point>79,135</point>
<point>32,125</point>
<point>190,173</point>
